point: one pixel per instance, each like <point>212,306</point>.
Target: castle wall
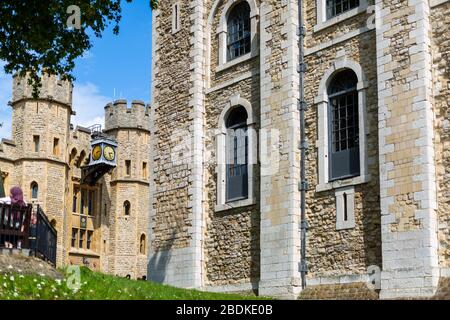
<point>115,243</point>
<point>440,22</point>
<point>332,252</point>
<point>407,155</point>
<point>171,258</point>
<point>280,198</point>
<point>232,236</point>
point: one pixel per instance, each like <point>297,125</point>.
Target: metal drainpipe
<point>303,144</point>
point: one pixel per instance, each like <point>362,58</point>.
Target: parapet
<point>53,89</point>
<point>119,116</point>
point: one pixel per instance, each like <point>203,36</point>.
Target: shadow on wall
<point>159,261</point>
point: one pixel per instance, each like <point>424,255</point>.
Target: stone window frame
<point>322,22</point>
<point>176,17</point>
<point>322,143</point>
<point>345,208</point>
<point>222,31</point>
<point>221,204</point>
<point>34,190</point>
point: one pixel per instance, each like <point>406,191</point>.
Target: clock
<point>97,152</point>
<point>109,153</point>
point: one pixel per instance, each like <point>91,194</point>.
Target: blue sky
<point>117,67</point>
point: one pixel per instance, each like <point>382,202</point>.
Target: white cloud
<point>89,105</point>
<point>5,96</point>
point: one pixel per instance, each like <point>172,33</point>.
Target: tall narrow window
<point>144,170</point>
<point>81,240</point>
<point>142,244</point>
<point>176,18</point>
<point>127,208</point>
<point>56,147</point>
<point>344,126</point>
<point>237,155</point>
<point>76,190</point>
<point>91,200</point>
<point>239,31</point>
<point>337,7</point>
<point>36,143</point>
<point>90,234</point>
<point>74,237</point>
<point>34,190</point>
<point>128,167</point>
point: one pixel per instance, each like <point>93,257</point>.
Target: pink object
<point>17,196</point>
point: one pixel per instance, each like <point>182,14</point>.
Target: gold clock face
<point>109,153</point>
<point>97,153</point>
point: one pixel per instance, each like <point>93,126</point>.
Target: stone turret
<point>129,182</point>
<point>119,116</point>
<point>53,88</point>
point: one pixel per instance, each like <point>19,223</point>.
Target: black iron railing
<point>14,226</point>
<point>25,228</point>
<point>43,237</point>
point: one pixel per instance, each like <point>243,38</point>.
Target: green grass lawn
<point>96,286</point>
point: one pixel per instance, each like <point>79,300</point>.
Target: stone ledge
<point>348,291</point>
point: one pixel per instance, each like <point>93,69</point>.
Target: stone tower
<point>129,188</point>
<point>41,130</point>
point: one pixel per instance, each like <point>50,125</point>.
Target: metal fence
<point>25,228</point>
<point>14,226</point>
<point>43,237</point>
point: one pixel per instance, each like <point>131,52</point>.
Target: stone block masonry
<point>407,160</point>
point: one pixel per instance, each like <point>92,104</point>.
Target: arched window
<point>239,31</point>
<point>343,126</point>
<point>142,244</point>
<point>53,223</point>
<point>34,190</point>
<point>127,208</point>
<point>237,155</point>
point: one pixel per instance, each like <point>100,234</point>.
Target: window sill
<point>343,183</point>
<point>235,204</point>
<point>232,63</point>
<point>84,252</point>
<point>344,16</point>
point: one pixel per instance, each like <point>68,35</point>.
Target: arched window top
<point>344,81</point>
<point>34,190</point>
<point>239,31</point>
<point>127,207</point>
<point>237,118</point>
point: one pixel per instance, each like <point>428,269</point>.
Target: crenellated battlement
<point>53,88</point>
<point>118,115</point>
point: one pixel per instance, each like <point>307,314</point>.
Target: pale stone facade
<point>396,215</point>
<point>47,153</point>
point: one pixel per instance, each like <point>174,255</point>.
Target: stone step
<point>15,252</point>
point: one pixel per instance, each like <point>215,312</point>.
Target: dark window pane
<point>239,32</point>
<point>337,7</point>
<point>344,125</point>
<point>237,155</point>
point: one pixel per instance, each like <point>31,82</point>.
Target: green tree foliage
<point>35,37</point>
